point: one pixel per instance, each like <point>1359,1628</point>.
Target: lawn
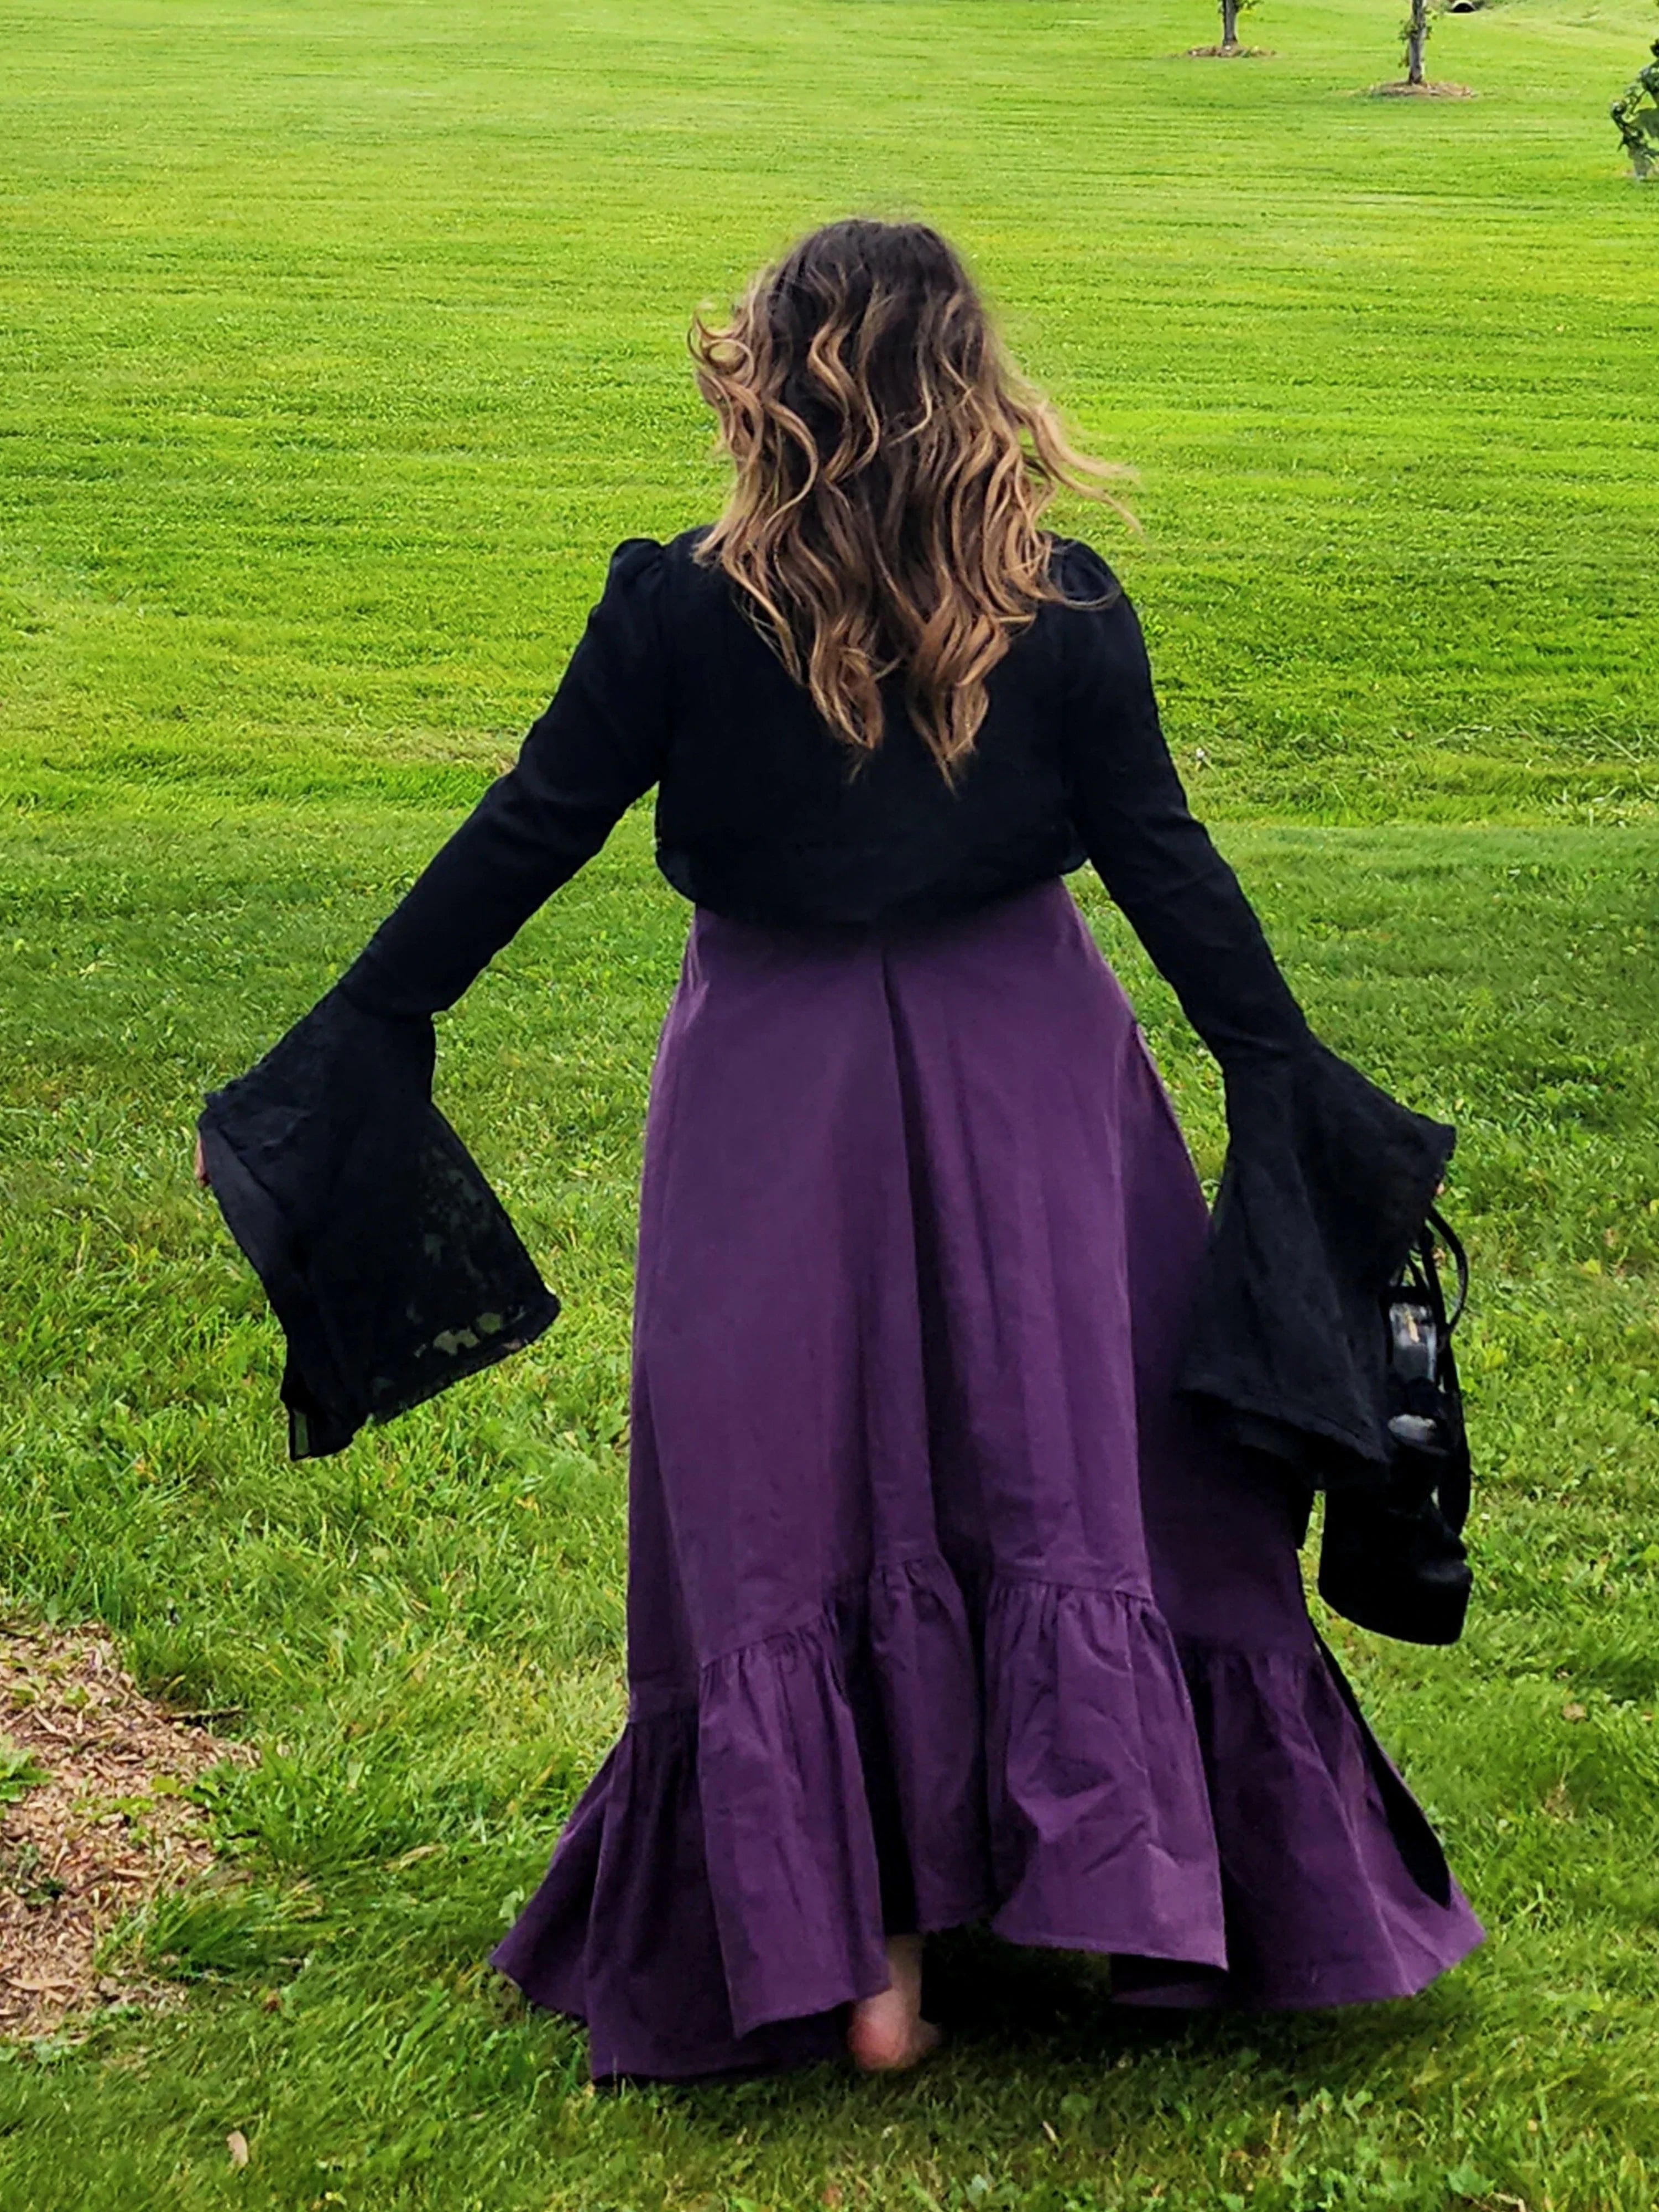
<point>341,343</point>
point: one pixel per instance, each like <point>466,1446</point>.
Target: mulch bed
<point>1439,90</point>
<point>105,1826</point>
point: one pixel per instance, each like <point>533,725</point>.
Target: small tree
<point>1231,12</point>
<point>1415,32</point>
<point>1636,118</point>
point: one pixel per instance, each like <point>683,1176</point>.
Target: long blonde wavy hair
<point>892,472</point>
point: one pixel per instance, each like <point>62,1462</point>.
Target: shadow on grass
<point>1047,2016</point>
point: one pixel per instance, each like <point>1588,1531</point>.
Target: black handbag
<point>1392,1558</point>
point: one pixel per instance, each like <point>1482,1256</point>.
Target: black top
<point>388,1259</point>
<point>765,815</point>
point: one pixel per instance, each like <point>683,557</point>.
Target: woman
<point>955,1593</point>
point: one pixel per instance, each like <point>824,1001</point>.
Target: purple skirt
<point>942,1608</point>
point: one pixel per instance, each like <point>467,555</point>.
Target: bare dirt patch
<point>93,1817</point>
<point>1230,54</point>
<point>1399,89</point>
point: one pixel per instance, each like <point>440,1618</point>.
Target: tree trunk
<point>1417,37</point>
<point>1229,22</point>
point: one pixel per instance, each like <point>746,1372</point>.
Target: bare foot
<point>887,2032</point>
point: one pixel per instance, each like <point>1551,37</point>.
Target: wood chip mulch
<point>105,1828</point>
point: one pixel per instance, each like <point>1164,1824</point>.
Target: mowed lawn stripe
<point>345,340</point>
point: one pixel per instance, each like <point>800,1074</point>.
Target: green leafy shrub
<point>1636,118</point>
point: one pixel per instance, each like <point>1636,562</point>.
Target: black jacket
<point>391,1265</point>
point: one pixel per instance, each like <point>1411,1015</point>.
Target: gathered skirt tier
<point>942,1608</point>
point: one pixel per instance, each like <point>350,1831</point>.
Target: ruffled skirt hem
<point>724,1888</point>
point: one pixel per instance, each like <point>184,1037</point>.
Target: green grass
<point>341,343</point>
<point>343,340</point>
<point>424,1633</point>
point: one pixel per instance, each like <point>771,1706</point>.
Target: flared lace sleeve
<point>387,1258</point>
<point>1327,1179</point>
<point>1327,1183</point>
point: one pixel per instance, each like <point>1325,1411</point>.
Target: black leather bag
<point>1392,1558</point>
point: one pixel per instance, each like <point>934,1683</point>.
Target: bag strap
<point>1456,1476</point>
<point>1453,1486</point>
<point>1437,1229</point>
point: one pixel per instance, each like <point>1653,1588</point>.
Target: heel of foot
<point>883,2045</point>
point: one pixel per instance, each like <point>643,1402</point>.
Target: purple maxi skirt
<point>941,1608</point>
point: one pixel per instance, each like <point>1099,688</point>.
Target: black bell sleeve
<point>386,1257</point>
<point>1327,1179</point>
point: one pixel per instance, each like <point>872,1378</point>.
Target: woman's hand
<point>200,1168</point>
